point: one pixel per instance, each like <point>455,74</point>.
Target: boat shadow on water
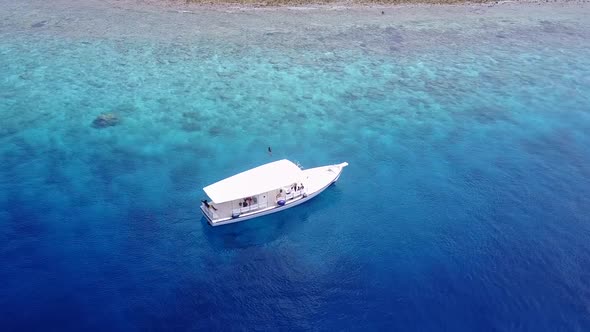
<point>265,229</point>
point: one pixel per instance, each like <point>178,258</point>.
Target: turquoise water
<point>465,205</point>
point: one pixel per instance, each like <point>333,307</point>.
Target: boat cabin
<point>251,192</point>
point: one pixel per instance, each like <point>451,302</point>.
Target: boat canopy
<point>255,181</point>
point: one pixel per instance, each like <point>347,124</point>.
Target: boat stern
<point>208,215</point>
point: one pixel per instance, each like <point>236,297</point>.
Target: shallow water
<point>465,205</point>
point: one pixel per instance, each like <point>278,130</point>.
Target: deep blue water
<point>465,205</point>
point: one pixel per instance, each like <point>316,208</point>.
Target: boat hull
<point>317,180</point>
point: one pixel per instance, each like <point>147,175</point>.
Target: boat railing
<point>261,204</point>
<point>249,208</point>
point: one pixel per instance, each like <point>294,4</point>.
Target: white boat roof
<point>264,178</point>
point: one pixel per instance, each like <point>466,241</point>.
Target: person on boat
<point>281,198</point>
<point>209,206</point>
<point>269,151</point>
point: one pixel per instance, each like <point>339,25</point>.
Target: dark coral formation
<point>105,120</point>
<point>38,24</point>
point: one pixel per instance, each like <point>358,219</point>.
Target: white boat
<point>266,189</point>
